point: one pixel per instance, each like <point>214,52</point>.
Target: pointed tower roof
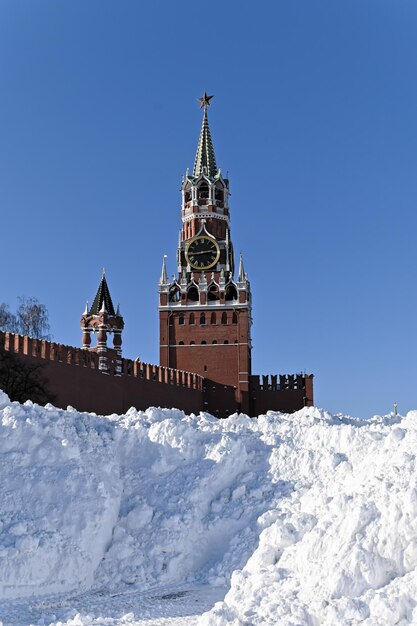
<point>241,275</point>
<point>103,300</point>
<point>205,151</point>
<point>164,277</point>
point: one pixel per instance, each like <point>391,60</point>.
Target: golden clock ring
<point>189,255</point>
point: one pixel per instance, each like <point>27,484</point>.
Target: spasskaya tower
<point>205,311</point>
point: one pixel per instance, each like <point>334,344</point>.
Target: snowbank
<point>144,499</point>
<point>59,500</point>
<point>311,518</point>
<point>342,547</point>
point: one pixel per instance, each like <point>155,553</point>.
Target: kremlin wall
<point>75,379</point>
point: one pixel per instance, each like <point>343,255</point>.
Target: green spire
<point>205,151</point>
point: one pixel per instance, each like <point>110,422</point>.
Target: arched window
<point>203,343</point>
<point>181,320</point>
<point>231,293</point>
<point>192,343</point>
<point>181,343</point>
<point>174,294</point>
<point>213,292</point>
<point>224,318</point>
<point>203,191</point>
<point>187,194</point>
<point>226,341</point>
<point>213,318</point>
<point>219,195</point>
<point>236,341</point>
<point>234,318</point>
<point>214,341</point>
<point>202,319</point>
<point>192,318</point>
<point>192,294</point>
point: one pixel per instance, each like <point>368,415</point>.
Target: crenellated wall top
<point>77,357</point>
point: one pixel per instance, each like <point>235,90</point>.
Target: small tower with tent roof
<point>101,318</point>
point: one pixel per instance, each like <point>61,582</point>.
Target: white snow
<point>150,517</point>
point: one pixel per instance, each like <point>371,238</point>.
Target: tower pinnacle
<point>102,298</point>
<point>241,274</point>
<point>164,277</point>
<point>205,151</point>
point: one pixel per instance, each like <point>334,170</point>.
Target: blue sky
<point>314,118</point>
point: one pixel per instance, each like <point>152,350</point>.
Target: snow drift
<point>310,518</point>
<point>143,499</point>
<point>341,548</point>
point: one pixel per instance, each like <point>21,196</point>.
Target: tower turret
<point>102,319</point>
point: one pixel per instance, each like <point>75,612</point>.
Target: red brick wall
<point>74,378</point>
<point>220,362</point>
<point>90,390</point>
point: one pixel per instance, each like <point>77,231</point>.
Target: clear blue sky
<point>314,117</point>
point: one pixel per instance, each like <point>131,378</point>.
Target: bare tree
<point>23,381</point>
<point>32,319</point>
<point>19,379</point>
<point>7,319</point>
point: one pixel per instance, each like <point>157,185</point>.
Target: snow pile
<point>144,499</point>
<point>342,547</point>
<point>59,500</point>
<point>311,519</point>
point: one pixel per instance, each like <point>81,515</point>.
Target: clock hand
<point>204,252</point>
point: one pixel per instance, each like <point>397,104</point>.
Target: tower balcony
<point>204,206</point>
<point>210,304</point>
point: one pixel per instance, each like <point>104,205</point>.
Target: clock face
<point>202,253</point>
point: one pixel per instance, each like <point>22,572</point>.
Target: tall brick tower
<point>205,314</point>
